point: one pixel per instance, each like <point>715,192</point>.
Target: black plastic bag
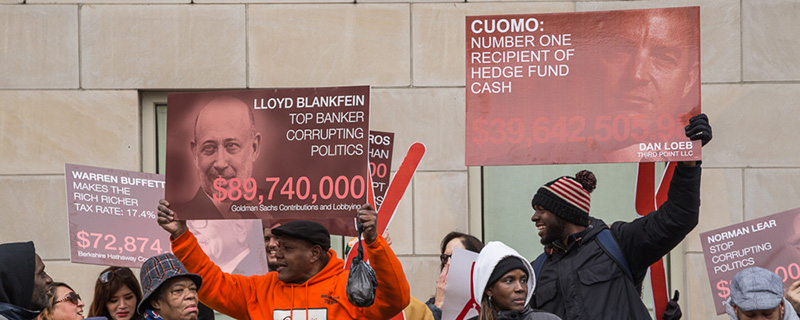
<point>361,282</point>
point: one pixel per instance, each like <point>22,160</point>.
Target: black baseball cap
<point>310,231</point>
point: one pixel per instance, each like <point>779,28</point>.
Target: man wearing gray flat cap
<point>757,293</point>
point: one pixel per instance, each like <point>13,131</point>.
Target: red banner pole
<point>647,199</point>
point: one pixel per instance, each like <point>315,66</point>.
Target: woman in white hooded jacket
<point>504,283</point>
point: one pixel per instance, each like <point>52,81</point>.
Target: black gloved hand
<point>699,128</point>
<point>673,310</point>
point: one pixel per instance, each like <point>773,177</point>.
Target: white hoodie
<point>489,257</point>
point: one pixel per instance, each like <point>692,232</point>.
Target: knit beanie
<point>568,197</point>
<point>508,263</point>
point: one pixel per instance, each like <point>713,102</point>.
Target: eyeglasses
<point>106,276</point>
<point>445,257</point>
<point>71,297</point>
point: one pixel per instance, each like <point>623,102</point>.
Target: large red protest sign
<point>275,155</point>
<point>771,242</point>
<point>112,218</point>
<point>582,87</point>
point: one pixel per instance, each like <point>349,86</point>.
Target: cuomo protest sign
<point>771,242</point>
<point>275,155</point>
<point>582,87</point>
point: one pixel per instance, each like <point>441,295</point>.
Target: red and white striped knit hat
<point>568,197</point>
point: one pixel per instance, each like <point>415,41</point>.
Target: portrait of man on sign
<point>650,71</point>
<point>651,67</point>
<point>224,147</point>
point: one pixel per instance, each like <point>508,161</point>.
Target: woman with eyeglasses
<point>116,295</point>
<point>65,304</point>
<point>451,241</point>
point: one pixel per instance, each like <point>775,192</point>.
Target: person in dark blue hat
<point>170,292</point>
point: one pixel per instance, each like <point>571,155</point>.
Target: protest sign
<point>771,242</point>
<point>582,87</point>
<point>381,145</point>
<point>275,155</point>
<point>112,217</point>
<point>459,304</point>
<point>236,246</point>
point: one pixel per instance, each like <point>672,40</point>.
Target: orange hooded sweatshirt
<point>321,297</point>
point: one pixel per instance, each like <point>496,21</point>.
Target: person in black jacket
<point>23,282</point>
<point>579,279</point>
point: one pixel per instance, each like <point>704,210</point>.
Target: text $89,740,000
<point>327,187</point>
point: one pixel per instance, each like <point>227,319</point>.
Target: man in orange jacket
<point>310,282</point>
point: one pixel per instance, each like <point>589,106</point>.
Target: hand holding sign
<point>166,219</point>
<point>699,128</point>
<point>367,222</point>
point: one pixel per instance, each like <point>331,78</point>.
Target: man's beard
<point>39,300</point>
<point>554,231</point>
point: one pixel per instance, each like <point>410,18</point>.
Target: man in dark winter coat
<point>23,282</point>
<point>578,278</point>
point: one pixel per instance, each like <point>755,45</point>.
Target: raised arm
<point>647,239</point>
<point>393,293</point>
<point>221,291</point>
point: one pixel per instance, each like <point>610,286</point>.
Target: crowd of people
<point>589,269</point>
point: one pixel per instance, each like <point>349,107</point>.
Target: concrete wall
<point>71,75</point>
